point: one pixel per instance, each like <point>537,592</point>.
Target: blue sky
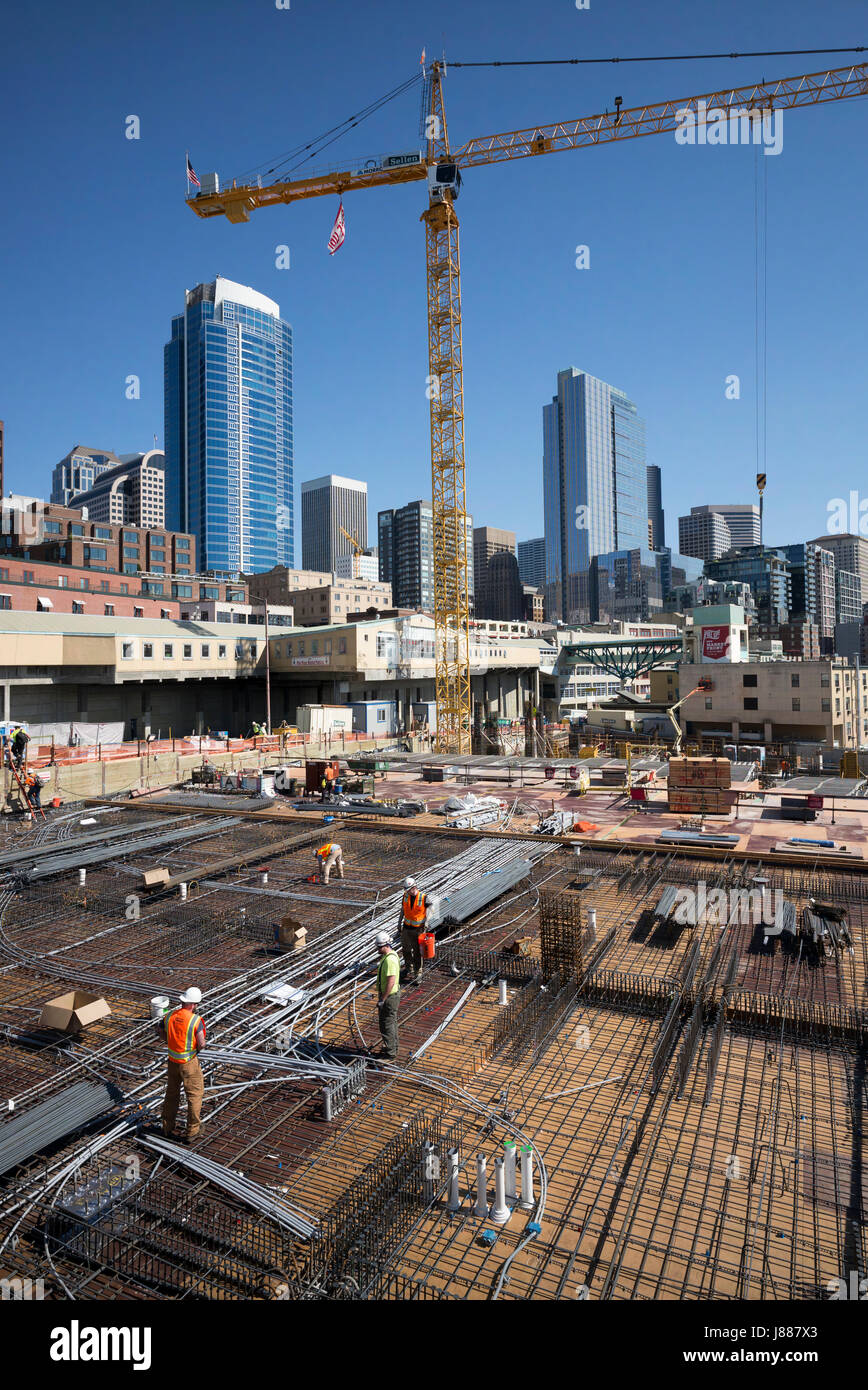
<point>97,244</point>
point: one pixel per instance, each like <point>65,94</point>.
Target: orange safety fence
<point>64,755</point>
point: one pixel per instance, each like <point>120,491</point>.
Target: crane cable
<point>760,226</point>
<point>657,58</point>
<point>310,148</point>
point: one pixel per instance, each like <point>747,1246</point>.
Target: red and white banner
<point>339,231</point>
<point>715,643</point>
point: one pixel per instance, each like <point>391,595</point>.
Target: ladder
<point>19,779</point>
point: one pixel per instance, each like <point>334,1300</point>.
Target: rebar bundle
<point>250,1193</point>
<point>464,902</point>
<point>44,1124</point>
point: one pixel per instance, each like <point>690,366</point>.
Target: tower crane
<point>441,167</point>
<point>358,549</point>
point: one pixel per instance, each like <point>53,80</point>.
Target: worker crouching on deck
<point>184,1030</point>
<point>414,917</point>
<point>329,856</point>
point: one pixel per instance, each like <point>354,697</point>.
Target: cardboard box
<point>291,935</point>
<point>155,878</point>
<point>71,1012</point>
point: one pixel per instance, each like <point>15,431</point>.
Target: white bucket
<point>159,1005</point>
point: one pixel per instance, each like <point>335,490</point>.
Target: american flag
<point>339,231</point>
<point>191,174</point>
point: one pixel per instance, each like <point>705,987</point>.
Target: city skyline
<point>96,341</point>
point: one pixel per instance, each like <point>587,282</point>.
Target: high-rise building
<point>767,572</point>
<point>405,544</point>
<point>228,409</point>
<point>78,471</point>
<point>849,593</point>
<point>131,494</point>
<point>502,596</point>
<point>487,541</point>
<point>812,579</point>
<point>532,562</point>
<point>704,534</point>
<point>656,518</point>
<point>742,518</point>
<point>629,585</point>
<point>594,485</point>
<point>327,504</point>
<point>851,554</point>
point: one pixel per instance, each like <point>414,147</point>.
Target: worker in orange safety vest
<point>184,1030</point>
<point>414,916</point>
<point>329,856</point>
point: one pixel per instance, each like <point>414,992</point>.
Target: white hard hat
<point>409,883</point>
<point>383,938</point>
<point>192,996</point>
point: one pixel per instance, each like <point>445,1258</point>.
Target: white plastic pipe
<point>509,1154</point>
<point>592,924</point>
<point>500,1212</point>
<point>263,877</point>
<point>430,1167</point>
<point>501,993</point>
<point>527,1199</point>
<point>183,888</point>
<point>454,1203</point>
<point>82,875</point>
<point>481,1207</point>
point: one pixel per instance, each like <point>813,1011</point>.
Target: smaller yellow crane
<point>358,550</point>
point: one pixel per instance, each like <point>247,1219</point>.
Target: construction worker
<point>184,1030</point>
<point>20,740</point>
<point>33,788</point>
<point>414,916</point>
<point>388,993</point>
<point>329,856</point>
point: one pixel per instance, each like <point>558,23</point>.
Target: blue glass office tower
<point>228,428</point>
<point>594,486</point>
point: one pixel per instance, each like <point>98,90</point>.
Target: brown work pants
<point>412,950</point>
<point>333,861</point>
<point>188,1075</point>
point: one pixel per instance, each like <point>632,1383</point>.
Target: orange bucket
<point>426,945</point>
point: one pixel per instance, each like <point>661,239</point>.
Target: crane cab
<point>444,179</point>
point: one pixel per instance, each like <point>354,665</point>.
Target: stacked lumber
<point>700,786</point>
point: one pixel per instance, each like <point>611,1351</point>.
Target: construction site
<point>630,1033</point>
<point>629,1072</point>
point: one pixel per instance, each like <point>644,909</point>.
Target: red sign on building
<point>715,643</point>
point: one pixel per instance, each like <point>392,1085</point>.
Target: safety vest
<point>324,851</point>
<point>413,907</point>
<point>181,1032</point>
<point>383,974</point>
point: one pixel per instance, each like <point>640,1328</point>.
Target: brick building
<point>36,530</point>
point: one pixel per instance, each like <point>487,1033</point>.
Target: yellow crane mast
<point>442,167</point>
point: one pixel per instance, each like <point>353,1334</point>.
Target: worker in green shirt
<point>388,990</point>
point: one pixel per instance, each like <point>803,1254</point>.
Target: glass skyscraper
<point>228,427</point>
<point>594,485</point>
